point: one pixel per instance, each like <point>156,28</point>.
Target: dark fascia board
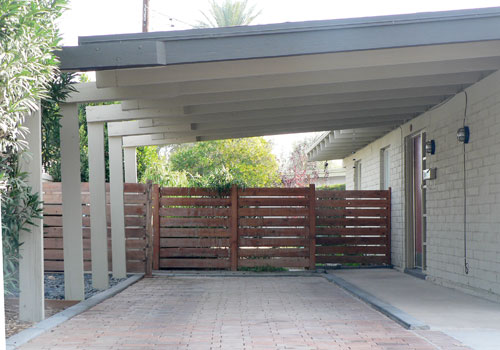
<point>281,40</point>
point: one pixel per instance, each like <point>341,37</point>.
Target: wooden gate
<point>353,227</point>
<point>276,227</point>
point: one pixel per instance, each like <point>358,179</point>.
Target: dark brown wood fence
<point>353,227</point>
<point>194,229</point>
<point>277,227</point>
<point>135,226</point>
<point>273,227</point>
<point>244,228</point>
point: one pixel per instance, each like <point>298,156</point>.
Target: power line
<point>169,17</point>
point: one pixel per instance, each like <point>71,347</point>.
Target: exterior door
<point>417,202</point>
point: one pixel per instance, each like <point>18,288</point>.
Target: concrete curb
<point>395,314</point>
<point>235,274</point>
<point>43,326</point>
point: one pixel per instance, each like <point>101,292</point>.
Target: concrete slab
<point>472,320</point>
<point>236,313</point>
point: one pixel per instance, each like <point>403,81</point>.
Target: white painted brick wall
<point>445,195</point>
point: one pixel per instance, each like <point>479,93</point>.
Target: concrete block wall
<point>445,194</point>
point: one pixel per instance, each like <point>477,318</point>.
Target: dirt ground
<point>12,323</point>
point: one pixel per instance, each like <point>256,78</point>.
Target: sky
<point>100,17</point>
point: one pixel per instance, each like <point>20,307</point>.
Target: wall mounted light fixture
<point>430,147</point>
<point>463,134</point>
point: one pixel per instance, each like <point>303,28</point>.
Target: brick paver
<point>236,313</point>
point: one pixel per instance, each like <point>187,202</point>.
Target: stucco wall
<point>445,194</point>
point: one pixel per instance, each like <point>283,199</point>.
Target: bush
<point>338,187</point>
<point>20,206</point>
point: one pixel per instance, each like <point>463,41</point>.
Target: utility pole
<point>145,16</point>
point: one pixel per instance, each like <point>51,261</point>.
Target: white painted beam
<point>406,105</point>
<point>268,127</point>
<point>118,249</point>
<point>74,288</point>
<point>338,76</point>
<point>148,140</point>
<point>276,81</point>
<point>98,225</point>
<point>457,79</point>
<point>260,132</point>
<point>328,99</point>
<point>128,128</point>
<point>301,63</point>
<point>112,113</point>
<point>130,154</point>
<point>31,264</point>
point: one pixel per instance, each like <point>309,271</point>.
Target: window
<point>357,175</point>
<point>385,168</point>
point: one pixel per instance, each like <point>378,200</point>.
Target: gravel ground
<point>54,291</point>
<point>54,285</point>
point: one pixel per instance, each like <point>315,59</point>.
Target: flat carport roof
<point>206,84</point>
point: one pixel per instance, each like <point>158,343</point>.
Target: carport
<point>197,85</point>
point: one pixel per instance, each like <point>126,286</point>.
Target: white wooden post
<point>2,308</point>
<point>31,269</point>
<point>118,252</point>
<point>74,288</point>
<point>130,164</point>
<point>98,225</point>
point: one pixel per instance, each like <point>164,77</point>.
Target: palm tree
<point>228,13</point>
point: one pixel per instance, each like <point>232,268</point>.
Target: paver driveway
<point>235,313</point>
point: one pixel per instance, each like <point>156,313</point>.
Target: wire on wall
<point>466,264</point>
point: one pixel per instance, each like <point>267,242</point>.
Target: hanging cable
<point>169,17</point>
<point>466,264</point>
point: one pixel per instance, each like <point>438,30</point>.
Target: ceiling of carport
<point>377,83</point>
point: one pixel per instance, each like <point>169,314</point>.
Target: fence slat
<point>193,232</point>
<point>156,227</point>
<point>234,228</point>
<point>312,227</point>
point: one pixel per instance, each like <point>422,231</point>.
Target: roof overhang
<point>234,82</point>
<point>339,144</point>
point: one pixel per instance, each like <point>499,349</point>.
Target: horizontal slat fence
<point>194,228</point>
<point>135,230</point>
<point>244,228</point>
<point>274,227</point>
<point>353,227</point>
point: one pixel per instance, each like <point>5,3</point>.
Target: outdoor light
<point>463,134</point>
<point>430,147</point>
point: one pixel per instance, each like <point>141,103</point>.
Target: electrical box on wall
<point>429,174</point>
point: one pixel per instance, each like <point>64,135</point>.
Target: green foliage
<point>246,162</point>
<point>338,187</point>
<point>228,13</point>
<point>60,88</point>
<point>147,157</point>
<point>20,206</point>
<point>265,268</point>
<point>28,37</point>
<point>159,173</point>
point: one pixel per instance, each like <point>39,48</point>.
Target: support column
<point>130,164</point>
<point>31,269</point>
<point>118,243</point>
<point>2,298</point>
<point>97,187</point>
<point>74,288</point>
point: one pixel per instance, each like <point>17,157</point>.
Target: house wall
<point>445,194</point>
